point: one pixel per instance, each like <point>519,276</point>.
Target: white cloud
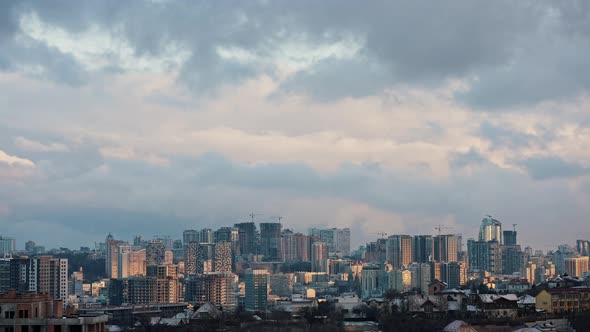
<point>15,161</point>
<point>31,145</point>
<point>97,48</point>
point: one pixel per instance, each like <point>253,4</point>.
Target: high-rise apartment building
<point>6,277</point>
<point>287,245</point>
<point>7,245</point>
<point>22,274</point>
<point>138,290</point>
<point>421,278</point>
<point>215,287</point>
<point>583,247</point>
<point>485,256</point>
<point>281,284</point>
<point>30,246</point>
<point>206,236</point>
<point>342,238</point>
<point>510,238</point>
<point>112,256</point>
<point>167,275</point>
<point>123,251</point>
<point>373,280</point>
<point>75,284</point>
<point>337,239</point>
<point>446,248</point>
<point>319,257</point>
<point>223,234</point>
<point>294,246</point>
<point>558,257</point>
<point>400,280</point>
<point>576,266</point>
<point>53,277</point>
<point>207,257</point>
<point>453,273</point>
<point>529,270</point>
<point>146,290</point>
<point>168,257</point>
<point>376,251</point>
<point>270,241</point>
<point>231,235</point>
<point>256,282</point>
<point>302,246</point>
<point>490,230</point>
<point>247,235</point>
<point>399,250</point>
<point>423,248</point>
<point>222,261</point>
<point>191,250</point>
<point>137,262</point>
<point>512,258</point>
<point>190,235</point>
<point>155,252</point>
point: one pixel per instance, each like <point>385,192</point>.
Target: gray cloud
<point>127,197</point>
<point>551,167</point>
<point>8,19</point>
<point>469,158</point>
<point>505,137</point>
<point>510,53</point>
<point>520,52</point>
<point>325,81</point>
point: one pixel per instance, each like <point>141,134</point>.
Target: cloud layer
<point>134,116</point>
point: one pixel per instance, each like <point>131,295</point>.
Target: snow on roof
<point>455,326</point>
<point>490,298</point>
<point>208,309</point>
<point>526,299</point>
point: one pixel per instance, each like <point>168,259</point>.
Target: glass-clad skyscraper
<point>490,230</point>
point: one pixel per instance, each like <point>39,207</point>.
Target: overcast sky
<point>150,117</point>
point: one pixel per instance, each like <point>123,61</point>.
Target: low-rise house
<point>347,302</point>
<point>207,317</point>
<point>207,312</point>
<point>526,302</point>
<point>498,306</point>
<point>436,287</point>
<point>459,326</point>
<point>518,285</point>
<point>429,305</point>
<point>456,299</point>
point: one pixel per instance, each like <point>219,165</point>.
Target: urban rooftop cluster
<point>264,268</point>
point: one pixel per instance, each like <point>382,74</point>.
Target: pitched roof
<point>458,325</point>
<point>491,298</point>
<point>207,310</point>
<point>526,299</point>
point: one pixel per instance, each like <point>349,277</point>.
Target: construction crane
<point>440,228</point>
<point>383,234</point>
<point>278,218</point>
<point>252,215</point>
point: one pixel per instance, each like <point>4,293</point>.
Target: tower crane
<point>252,215</point>
<point>278,218</point>
<point>440,228</point>
<point>383,234</point>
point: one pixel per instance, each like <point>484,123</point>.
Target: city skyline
<point>333,240</point>
<point>145,116</point>
<point>355,241</point>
